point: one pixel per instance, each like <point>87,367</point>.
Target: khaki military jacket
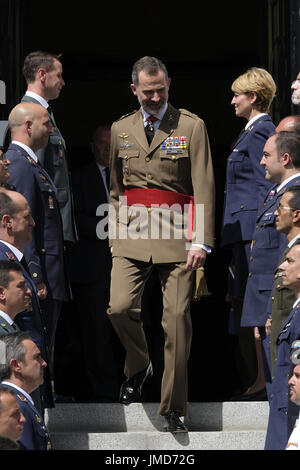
<point>178,160</point>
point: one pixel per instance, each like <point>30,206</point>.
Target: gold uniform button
<point>149,176</point>
<point>34,275</point>
<point>149,209</point>
<point>250,274</point>
<point>173,157</point>
<point>43,250</point>
<point>147,159</point>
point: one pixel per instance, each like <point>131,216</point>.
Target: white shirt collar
<point>159,115</point>
<point>297,175</point>
<point>293,241</point>
<point>28,150</point>
<point>254,119</point>
<point>296,303</point>
<point>6,382</point>
<point>18,254</point>
<point>37,97</point>
<point>6,317</point>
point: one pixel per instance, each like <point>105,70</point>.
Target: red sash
<point>149,197</point>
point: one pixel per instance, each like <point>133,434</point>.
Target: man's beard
<point>296,97</point>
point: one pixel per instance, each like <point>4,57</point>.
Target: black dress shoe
<point>174,424</point>
<point>131,389</point>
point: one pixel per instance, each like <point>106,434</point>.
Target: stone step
<point>154,440</point>
<point>117,418</point>
<point>112,426</point>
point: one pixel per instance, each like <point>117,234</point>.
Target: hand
<point>41,290</point>
<point>195,259</point>
<point>256,333</point>
<point>268,326</point>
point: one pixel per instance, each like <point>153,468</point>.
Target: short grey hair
<point>12,347</point>
<point>150,65</point>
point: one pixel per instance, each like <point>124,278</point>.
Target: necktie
<point>149,128</point>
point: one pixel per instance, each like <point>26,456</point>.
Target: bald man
<point>289,123</point>
<point>30,127</point>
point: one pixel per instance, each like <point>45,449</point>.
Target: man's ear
<point>6,221</point>
<point>2,293</point>
<point>41,74</point>
<point>133,89</point>
<point>14,365</point>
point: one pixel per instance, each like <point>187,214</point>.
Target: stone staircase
<point>112,426</point>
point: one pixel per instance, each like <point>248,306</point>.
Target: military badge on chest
<point>124,142</point>
<point>174,145</point>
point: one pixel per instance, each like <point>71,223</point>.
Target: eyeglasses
<point>279,207</point>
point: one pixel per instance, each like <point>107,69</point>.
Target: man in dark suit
<point>14,296</point>
<point>16,225</point>
<point>30,129</point>
<point>23,371</point>
<point>90,266</point>
<point>43,74</point>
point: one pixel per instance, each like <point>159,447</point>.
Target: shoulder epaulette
<point>188,113</point>
<point>128,114</point>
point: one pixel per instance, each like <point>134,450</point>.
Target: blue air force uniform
<point>277,432</point>
<point>35,435</point>
<point>32,321</point>
<point>45,253</point>
<point>268,246</point>
<point>246,186</point>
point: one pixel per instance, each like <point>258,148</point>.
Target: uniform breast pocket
<point>238,165</point>
<point>56,145</point>
<point>174,165</point>
<point>130,163</point>
<point>271,237</point>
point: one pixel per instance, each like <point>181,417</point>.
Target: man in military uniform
<point>11,418</point>
<point>287,222</point>
<point>278,432</point>
<point>160,158</point>
<point>22,370</point>
<point>30,128</point>
<point>43,73</point>
<point>16,224</point>
<point>14,296</point>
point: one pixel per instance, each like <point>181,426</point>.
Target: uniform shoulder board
<point>128,114</point>
<point>188,113</point>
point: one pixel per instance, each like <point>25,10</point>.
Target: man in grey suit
<point>43,74</point>
<point>14,295</point>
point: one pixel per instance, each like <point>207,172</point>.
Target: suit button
<point>241,207</point>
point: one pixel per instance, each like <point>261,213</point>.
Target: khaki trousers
<point>128,280</point>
